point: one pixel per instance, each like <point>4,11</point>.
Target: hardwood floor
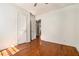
<point>42,48</point>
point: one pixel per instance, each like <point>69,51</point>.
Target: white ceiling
<point>42,8</point>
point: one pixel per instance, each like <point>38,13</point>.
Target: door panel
<point>33,27</point>
<point>21,28</point>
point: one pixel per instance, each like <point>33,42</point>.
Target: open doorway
<point>38,28</point>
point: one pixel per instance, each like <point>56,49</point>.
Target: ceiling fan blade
<point>46,3</point>
<point>35,4</point>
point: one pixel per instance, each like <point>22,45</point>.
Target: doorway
<point>32,27</point>
<point>38,28</point>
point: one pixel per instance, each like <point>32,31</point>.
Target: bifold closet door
<point>21,28</point>
<point>32,27</point>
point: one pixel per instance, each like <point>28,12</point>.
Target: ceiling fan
<point>35,4</point>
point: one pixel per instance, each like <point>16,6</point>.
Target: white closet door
<point>21,28</point>
<point>33,27</point>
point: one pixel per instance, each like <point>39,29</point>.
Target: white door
<point>33,27</point>
<point>21,28</point>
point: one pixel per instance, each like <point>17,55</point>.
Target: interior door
<point>21,28</point>
<point>32,27</point>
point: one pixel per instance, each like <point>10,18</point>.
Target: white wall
<point>9,15</point>
<point>61,26</point>
<point>8,27</point>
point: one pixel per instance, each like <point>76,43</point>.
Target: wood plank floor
<point>42,48</point>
